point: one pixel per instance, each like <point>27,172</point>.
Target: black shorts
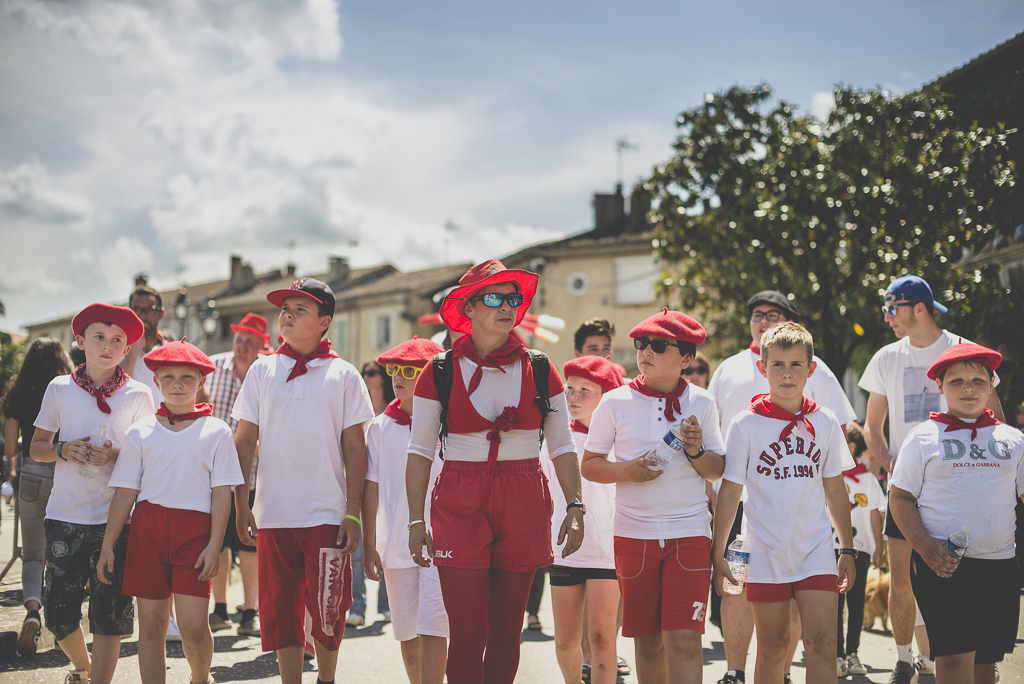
<point>564,576</point>
<point>231,540</point>
<point>891,530</point>
<point>977,609</point>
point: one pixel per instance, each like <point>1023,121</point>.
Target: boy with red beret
<point>180,465</point>
<point>790,454</point>
<point>91,408</point>
<point>306,407</point>
<point>586,579</point>
<point>662,522</point>
<point>963,469</point>
<point>417,609</point>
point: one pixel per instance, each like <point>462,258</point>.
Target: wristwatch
<point>697,455</point>
<point>582,507</point>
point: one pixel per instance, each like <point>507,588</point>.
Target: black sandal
<point>586,673</point>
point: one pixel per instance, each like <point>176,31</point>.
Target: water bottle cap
<point>965,529</point>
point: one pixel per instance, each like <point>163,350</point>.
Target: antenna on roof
<point>621,145</point>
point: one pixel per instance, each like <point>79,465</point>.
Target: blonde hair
<point>785,336</point>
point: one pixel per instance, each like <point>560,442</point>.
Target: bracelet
<point>848,552</point>
<point>414,522</point>
<point>352,517</point>
<point>60,445</point>
<point>698,454</point>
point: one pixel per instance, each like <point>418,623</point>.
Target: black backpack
<point>444,374</point>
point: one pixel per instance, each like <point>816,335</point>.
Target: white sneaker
<point>355,621</point>
<point>841,667</point>
<point>77,677</point>
<point>854,666</point>
<point>923,664</point>
<point>172,630</point>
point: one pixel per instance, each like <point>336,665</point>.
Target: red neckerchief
<point>300,359</point>
<point>201,410</point>
<point>763,406</point>
<point>504,355</point>
<point>953,423</point>
<point>103,392</point>
<point>754,348</point>
<point>854,472</point>
<point>671,398</point>
<point>394,412</point>
<point>577,426</point>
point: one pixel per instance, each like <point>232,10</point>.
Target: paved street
<point>371,654</point>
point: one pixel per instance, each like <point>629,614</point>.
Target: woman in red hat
<point>491,507</point>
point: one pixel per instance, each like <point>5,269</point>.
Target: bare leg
<point>434,659</point>
<point>250,578</point>
<point>602,606</point>
<point>153,618</point>
<point>196,637</point>
<point>921,636</point>
<point>818,613</point>
<point>567,606</point>
<point>956,669</point>
<point>289,664</point>
<point>985,674</point>
<point>220,581</point>
<point>585,639</point>
<point>326,661</point>
<point>794,634</point>
<point>737,629</point>
<point>105,651</point>
<point>412,658</point>
<point>772,624</point>
<point>651,663</point>
<point>902,609</point>
<point>74,648</point>
<point>683,656</point>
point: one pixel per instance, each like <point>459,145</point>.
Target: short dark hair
<point>970,363</point>
<point>855,435</point>
<point>592,328</point>
<point>687,348</point>
<point>143,290</point>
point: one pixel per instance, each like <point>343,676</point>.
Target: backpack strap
<point>444,374</point>
<point>540,366</point>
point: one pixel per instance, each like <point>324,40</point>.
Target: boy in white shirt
<point>963,468</point>
<point>180,465</point>
<point>97,401</point>
<point>417,610</point>
<point>306,407</point>
<point>662,523</point>
<point>790,454</point>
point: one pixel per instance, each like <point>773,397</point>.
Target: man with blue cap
<point>898,385</point>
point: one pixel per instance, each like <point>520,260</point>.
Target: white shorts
<point>414,595</point>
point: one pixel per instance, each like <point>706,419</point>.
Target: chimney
<point>242,278</point>
<point>609,212</point>
<point>639,205</point>
<point>289,271</point>
<point>339,269</point>
<point>141,280</point>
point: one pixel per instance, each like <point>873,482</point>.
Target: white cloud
<point>822,104</point>
<point>27,194</point>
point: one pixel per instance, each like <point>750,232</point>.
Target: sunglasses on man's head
<point>496,299</point>
<point>658,346</point>
<point>408,372</point>
<point>699,370</point>
<point>890,307</point>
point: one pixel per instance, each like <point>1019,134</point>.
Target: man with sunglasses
<point>149,307</point>
<point>896,378</point>
<point>735,382</point>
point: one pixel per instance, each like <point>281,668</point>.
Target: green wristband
<point>352,517</point>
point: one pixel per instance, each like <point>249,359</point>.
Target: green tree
<point>758,197</point>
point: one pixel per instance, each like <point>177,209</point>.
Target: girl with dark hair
<point>379,386</point>
<point>44,361</point>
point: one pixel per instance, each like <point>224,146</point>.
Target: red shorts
<point>163,547</point>
<point>510,531</point>
<point>762,592</point>
<point>664,584</point>
<point>302,569</point>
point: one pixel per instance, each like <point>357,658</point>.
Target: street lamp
<point>181,310</point>
<point>208,316</point>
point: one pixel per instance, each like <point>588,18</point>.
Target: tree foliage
<point>759,197</point>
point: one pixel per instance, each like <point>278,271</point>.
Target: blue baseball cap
<point>914,289</point>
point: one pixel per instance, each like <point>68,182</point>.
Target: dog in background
<point>876,599</point>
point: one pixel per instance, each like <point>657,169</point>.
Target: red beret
<point>120,316</point>
<point>596,369</point>
<point>178,354</point>
<point>672,324</point>
<point>478,277</point>
<point>965,351</point>
<point>414,352</point>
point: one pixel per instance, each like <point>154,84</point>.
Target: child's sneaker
<point>733,677</point>
<point>854,665</point>
<point>903,673</point>
<point>355,621</point>
<point>29,636</point>
<point>923,664</point>
<point>842,669</point>
<point>77,677</point>
<point>218,623</point>
<point>172,630</point>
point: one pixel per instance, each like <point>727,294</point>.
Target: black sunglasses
<point>658,346</point>
<point>699,370</point>
<point>371,373</point>
<point>495,299</point>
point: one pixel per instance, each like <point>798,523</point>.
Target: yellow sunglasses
<point>408,372</point>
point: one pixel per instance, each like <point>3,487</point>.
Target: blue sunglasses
<point>496,299</point>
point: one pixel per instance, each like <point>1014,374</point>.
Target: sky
<point>163,136</point>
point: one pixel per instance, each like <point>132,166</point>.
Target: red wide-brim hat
<point>674,325</point>
<point>491,272</point>
<point>253,323</point>
<point>967,351</point>
<point>122,317</point>
<point>597,369</point>
<point>178,354</point>
<point>414,352</point>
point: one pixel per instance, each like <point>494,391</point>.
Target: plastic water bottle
<point>738,556</point>
<point>956,545</point>
<point>99,437</point>
<point>669,446</point>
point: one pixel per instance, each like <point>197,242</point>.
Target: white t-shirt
<point>598,548</point>
<point>959,481</point>
<point>866,495</point>
<point>673,505</point>
<point>899,372</point>
<point>177,469</point>
<point>301,474</point>
<point>80,494</point>
<point>790,532</point>
<point>387,453</point>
